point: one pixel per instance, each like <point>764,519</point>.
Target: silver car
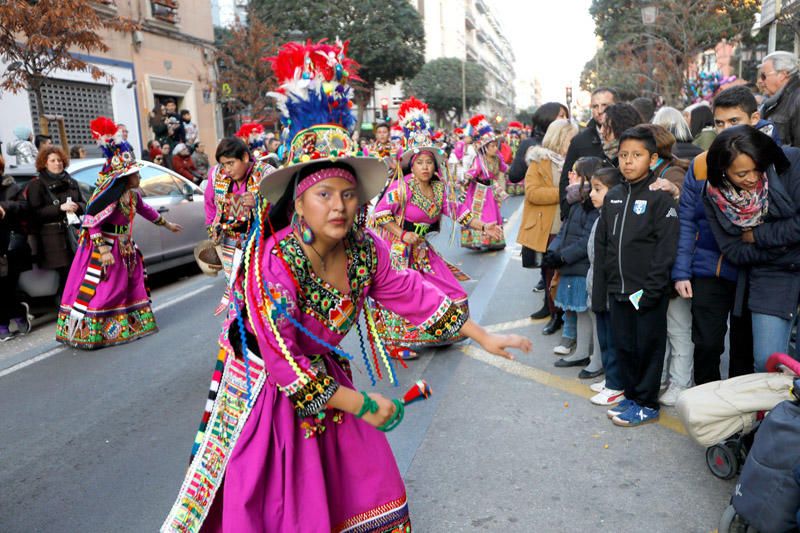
<point>176,198</point>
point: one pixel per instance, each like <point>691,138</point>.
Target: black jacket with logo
<point>635,244</point>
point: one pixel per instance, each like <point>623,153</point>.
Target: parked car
<point>177,198</point>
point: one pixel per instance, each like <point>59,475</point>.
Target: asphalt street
<point>99,441</point>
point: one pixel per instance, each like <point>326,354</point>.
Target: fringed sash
<point>227,411</point>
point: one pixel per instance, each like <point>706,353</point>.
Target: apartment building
<point>467,30</point>
<point>169,57</point>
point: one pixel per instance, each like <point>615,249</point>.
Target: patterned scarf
<point>611,148</point>
<point>744,209</point>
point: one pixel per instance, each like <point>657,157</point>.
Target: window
<point>165,10</point>
<point>79,103</point>
<point>156,182</point>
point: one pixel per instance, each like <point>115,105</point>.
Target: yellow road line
<point>571,386</point>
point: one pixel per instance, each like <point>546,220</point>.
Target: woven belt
<point>420,228</point>
<point>113,228</point>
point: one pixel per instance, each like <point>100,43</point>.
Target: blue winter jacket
<point>698,253</point>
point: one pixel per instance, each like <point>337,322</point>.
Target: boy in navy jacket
<point>635,245</point>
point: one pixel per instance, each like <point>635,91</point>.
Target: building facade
<point>467,30</point>
<point>171,56</point>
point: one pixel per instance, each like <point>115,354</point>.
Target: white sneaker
<point>670,397</point>
<point>608,397</point>
<point>599,386</point>
<point>566,347</point>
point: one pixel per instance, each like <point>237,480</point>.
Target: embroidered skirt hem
<point>107,327</point>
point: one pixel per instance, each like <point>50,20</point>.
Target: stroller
<point>724,415</point>
<point>767,495</point>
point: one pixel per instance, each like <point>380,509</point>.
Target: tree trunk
<point>35,86</point>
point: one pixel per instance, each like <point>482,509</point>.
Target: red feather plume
<point>514,124</point>
<point>248,129</point>
<point>292,55</point>
<point>474,121</point>
<point>410,104</point>
<point>102,126</point>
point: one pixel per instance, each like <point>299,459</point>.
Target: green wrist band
<point>369,406</point>
<point>397,417</point>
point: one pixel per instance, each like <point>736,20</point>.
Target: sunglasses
<point>764,75</point>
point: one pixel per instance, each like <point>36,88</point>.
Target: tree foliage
<point>386,37</point>
<point>244,78</point>
<point>438,83</point>
<point>36,39</point>
<point>682,30</point>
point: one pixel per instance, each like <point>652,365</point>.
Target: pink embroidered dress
<point>415,212</point>
<point>270,456</point>
<point>104,306</point>
<point>482,200</point>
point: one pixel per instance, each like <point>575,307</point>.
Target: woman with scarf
<point>106,300</point>
<point>409,210</point>
<point>541,212</point>
<point>485,191</point>
<point>617,119</point>
<point>289,444</point>
<point>751,200</point>
<point>53,199</point>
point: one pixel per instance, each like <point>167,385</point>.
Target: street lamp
<point>649,12</point>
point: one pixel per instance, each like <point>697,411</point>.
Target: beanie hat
<point>22,133</point>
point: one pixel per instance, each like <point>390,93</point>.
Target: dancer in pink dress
<point>410,210</point>
<point>288,444</point>
<point>106,300</point>
<point>485,192</point>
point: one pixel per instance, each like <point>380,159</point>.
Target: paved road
<point>98,441</point>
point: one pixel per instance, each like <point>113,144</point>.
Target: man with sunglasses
<point>779,79</point>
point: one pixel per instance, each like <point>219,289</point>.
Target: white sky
<point>552,40</point>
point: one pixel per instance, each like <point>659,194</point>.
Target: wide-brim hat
<point>437,153</point>
<point>207,258</point>
<point>320,144</point>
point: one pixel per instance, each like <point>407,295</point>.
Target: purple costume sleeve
<point>208,197</point>
<point>145,210</point>
<point>406,293</point>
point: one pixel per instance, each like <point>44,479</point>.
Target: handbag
<point>554,284</point>
<point>72,232</point>
<point>531,258</point>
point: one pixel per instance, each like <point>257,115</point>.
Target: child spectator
<point>77,152</point>
<point>190,129</point>
<point>701,273</point>
<point>182,164</point>
<point>42,141</point>
<point>678,363</point>
<point>634,251</point>
<point>609,392</point>
<point>22,146</point>
<point>568,254</point>
<point>200,158</point>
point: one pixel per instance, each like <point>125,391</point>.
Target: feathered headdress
<point>313,85</point>
<point>253,134</point>
<point>480,130</point>
<point>514,128</point>
<point>413,117</point>
<point>396,134</point>
<point>120,159</point>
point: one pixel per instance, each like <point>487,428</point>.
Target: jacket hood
<point>6,181</point>
<point>537,153</point>
<point>13,145</point>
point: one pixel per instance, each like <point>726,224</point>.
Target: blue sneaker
<point>620,408</point>
<point>636,415</point>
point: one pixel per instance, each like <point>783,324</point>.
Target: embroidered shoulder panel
<point>336,311</point>
<point>433,208</point>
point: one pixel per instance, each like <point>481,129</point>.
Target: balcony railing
<point>165,10</point>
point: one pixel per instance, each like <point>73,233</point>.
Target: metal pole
<point>773,37</point>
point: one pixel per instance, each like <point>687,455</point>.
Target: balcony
<point>469,18</point>
<point>165,10</point>
<point>480,5</point>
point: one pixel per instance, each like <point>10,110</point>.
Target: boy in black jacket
<point>635,246</point>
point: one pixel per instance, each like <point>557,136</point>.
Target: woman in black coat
<point>752,200</point>
<point>14,254</point>
<point>52,196</point>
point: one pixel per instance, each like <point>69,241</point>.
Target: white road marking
<point>29,362</point>
<point>181,298</point>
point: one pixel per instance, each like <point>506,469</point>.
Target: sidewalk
<point>520,448</point>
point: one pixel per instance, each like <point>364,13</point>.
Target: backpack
<point>767,494</point>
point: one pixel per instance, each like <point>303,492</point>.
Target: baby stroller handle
<point>785,360</point>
